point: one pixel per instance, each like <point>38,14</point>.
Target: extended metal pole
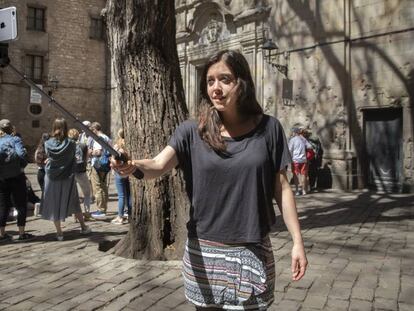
<point>117,155</point>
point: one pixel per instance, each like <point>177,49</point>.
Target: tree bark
<point>141,38</point>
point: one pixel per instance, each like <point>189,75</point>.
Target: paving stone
<point>174,283</point>
<point>315,302</point>
<point>362,293</point>
<point>18,298</point>
<point>385,304</point>
<point>295,294</point>
<point>173,300</point>
<point>343,284</point>
<point>4,306</point>
<point>22,306</point>
<point>405,307</point>
<point>158,293</point>
<point>360,305</point>
<point>142,303</point>
<point>109,295</point>
<point>340,293</point>
<point>66,305</point>
<point>79,299</point>
<point>89,305</point>
<point>407,290</point>
<point>158,307</point>
<point>185,307</point>
<point>387,293</point>
<point>338,305</point>
<point>288,305</point>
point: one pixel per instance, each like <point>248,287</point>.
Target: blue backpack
<point>102,164</point>
<point>10,162</point>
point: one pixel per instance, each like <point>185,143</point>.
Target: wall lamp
<point>271,46</point>
<point>53,84</point>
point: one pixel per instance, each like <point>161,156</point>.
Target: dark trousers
<point>41,178</point>
<point>14,188</point>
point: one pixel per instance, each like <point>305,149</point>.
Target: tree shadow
<point>96,237</point>
<point>311,16</point>
<point>366,207</point>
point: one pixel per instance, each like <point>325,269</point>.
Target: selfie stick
<point>116,154</point>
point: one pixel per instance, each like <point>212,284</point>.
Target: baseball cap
<point>87,123</point>
<point>5,124</point>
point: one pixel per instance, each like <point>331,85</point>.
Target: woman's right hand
<point>123,168</point>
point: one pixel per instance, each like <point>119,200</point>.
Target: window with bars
<point>36,19</point>
<point>97,28</point>
<point>34,67</point>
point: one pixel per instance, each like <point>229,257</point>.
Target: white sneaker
<point>37,209</point>
<point>117,221</point>
<point>85,230</point>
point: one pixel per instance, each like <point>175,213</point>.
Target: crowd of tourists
<point>72,171</point>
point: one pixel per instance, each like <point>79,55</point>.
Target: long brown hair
<point>209,121</point>
<point>120,143</point>
<point>60,129</point>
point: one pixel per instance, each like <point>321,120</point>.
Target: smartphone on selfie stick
<point>8,33</point>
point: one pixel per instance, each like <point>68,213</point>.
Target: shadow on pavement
<point>364,208</point>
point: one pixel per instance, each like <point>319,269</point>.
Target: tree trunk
<point>141,38</point>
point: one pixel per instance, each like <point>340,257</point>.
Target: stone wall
<point>78,63</point>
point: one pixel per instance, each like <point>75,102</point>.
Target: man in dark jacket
<point>12,181</point>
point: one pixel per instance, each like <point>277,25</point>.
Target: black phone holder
<point>4,54</point>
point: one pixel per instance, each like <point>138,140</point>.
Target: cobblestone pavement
<point>359,245</point>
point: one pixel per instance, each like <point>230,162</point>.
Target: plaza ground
<point>359,246</point>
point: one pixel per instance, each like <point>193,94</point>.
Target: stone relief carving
<point>212,32</point>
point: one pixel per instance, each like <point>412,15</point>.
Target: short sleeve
<point>280,154</point>
<point>181,140</point>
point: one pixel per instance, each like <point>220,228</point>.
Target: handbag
<point>310,154</point>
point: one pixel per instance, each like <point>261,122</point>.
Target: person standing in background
<point>12,181</point>
<point>315,163</point>
<point>82,180</point>
<point>60,199</point>
<point>98,176</point>
<point>88,141</point>
<point>297,147</point>
<point>122,187</point>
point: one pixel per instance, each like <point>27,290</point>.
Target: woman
<point>234,162</point>
<point>12,181</point>
<point>81,156</point>
<point>122,186</point>
<point>60,196</point>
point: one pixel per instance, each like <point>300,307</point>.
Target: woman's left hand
<point>299,262</point>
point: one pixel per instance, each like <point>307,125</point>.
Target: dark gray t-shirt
<point>231,196</point>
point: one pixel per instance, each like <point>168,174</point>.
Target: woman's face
<point>221,87</point>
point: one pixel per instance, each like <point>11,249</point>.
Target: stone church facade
<point>61,47</point>
<point>343,69</point>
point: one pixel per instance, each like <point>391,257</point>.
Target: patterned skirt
<point>231,277</point>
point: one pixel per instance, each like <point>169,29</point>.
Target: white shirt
<point>297,148</point>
